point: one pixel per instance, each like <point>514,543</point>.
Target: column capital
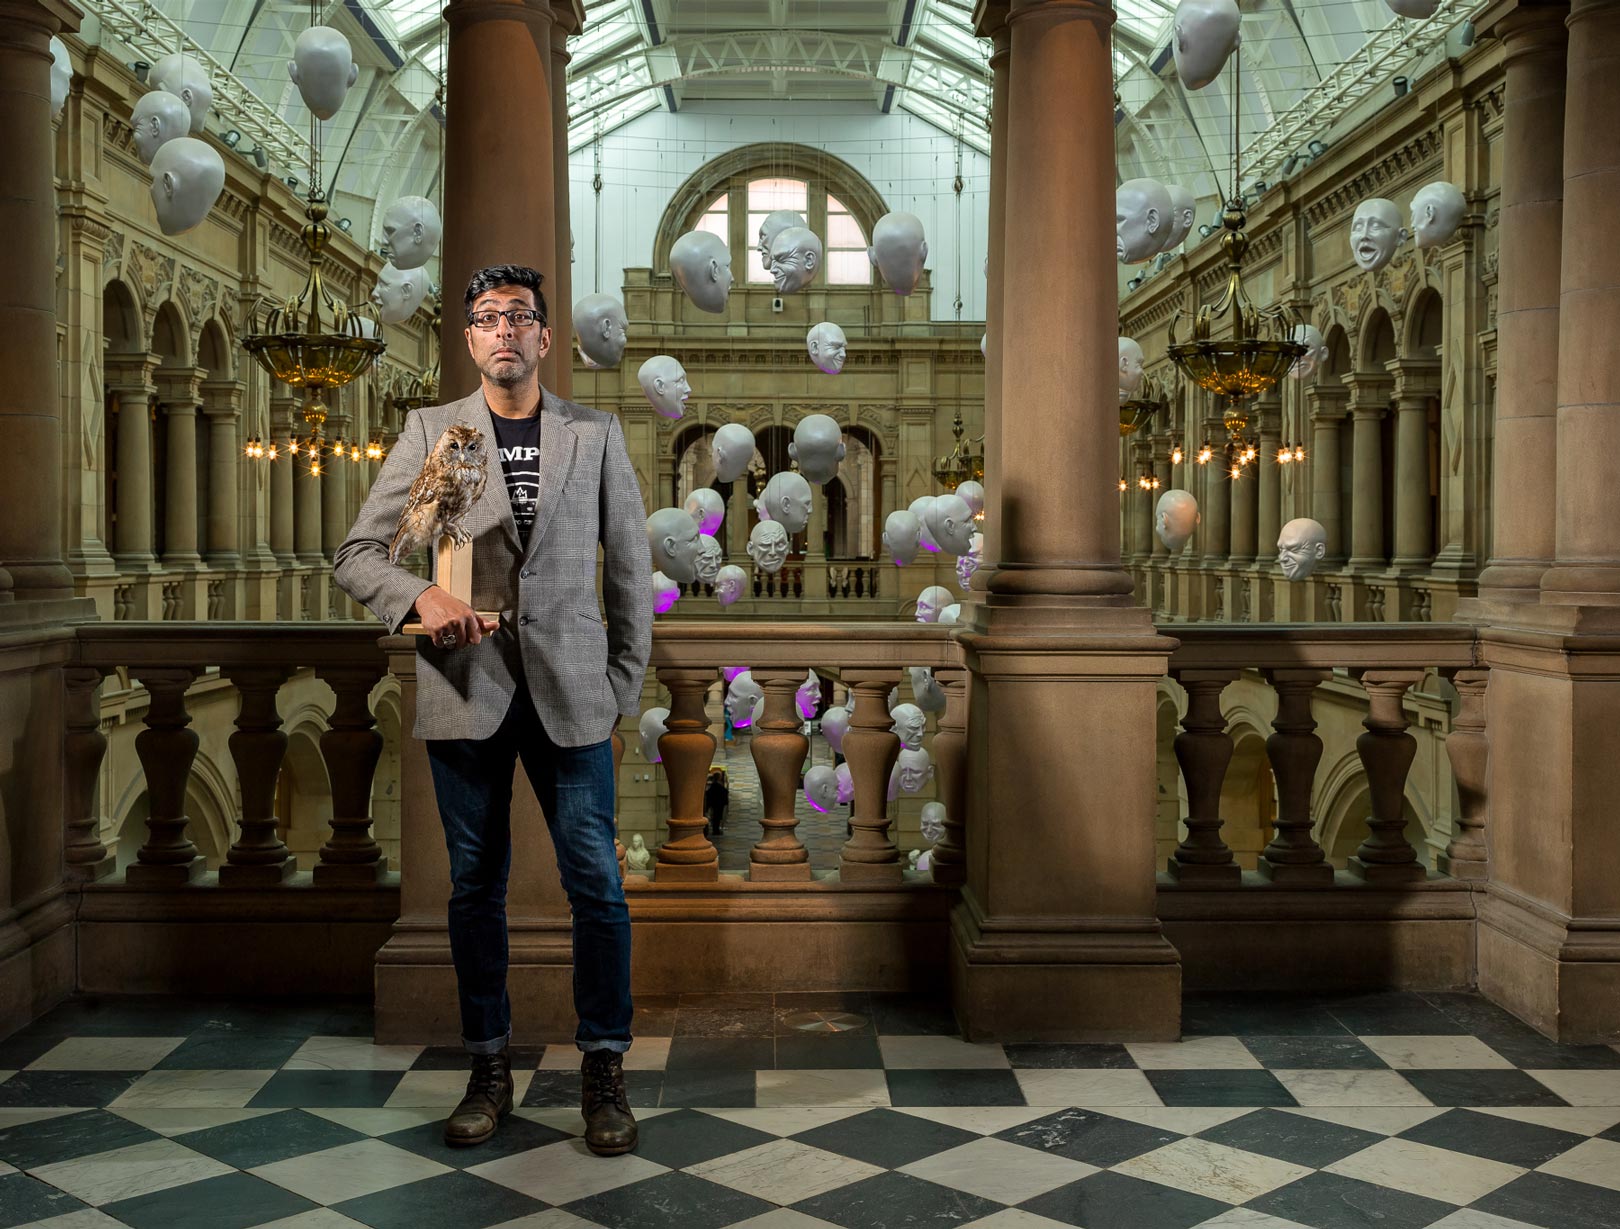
<point>1061,10</point>
<point>223,397</point>
<point>46,16</point>
<point>990,18</point>
<point>1369,391</point>
<point>1415,377</point>
<point>459,14</point>
<point>1506,19</point>
<point>568,16</point>
<point>180,384</point>
<point>130,371</point>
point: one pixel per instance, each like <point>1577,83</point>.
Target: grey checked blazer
<point>580,674</point>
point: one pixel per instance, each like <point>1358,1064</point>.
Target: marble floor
<point>1382,1111</point>
<point>823,834</point>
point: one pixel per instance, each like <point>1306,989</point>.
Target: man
<point>544,682</point>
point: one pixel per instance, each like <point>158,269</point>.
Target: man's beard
<point>509,372</point>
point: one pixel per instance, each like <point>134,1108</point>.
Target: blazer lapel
<point>474,411</point>
<point>557,443</point>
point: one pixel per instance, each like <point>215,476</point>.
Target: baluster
<point>166,749</point>
<point>1468,748</point>
<point>351,746</point>
<point>687,750</point>
<point>949,859</point>
<point>1204,749</point>
<point>779,750</point>
<point>1386,752</point>
<point>871,747</point>
<point>1293,857</point>
<point>83,748</point>
<point>258,857</point>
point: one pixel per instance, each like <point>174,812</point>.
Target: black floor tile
<point>68,1138</point>
<point>655,1015</point>
<point>717,1089</point>
<point>56,1088</point>
<point>1087,1135</point>
<point>1394,1013</point>
<point>1328,1201</point>
<point>1489,1087</point>
<point>715,1053</point>
<point>1554,1203</point>
<point>955,1087</point>
<point>122,1016</point>
<point>320,1089</point>
<point>724,1015</point>
<point>268,1138</point>
<point>1110,1199</point>
<point>515,1134</point>
<point>833,1003</point>
<point>1225,1014</point>
<point>1257,1088</point>
<point>1291,1137</point>
<point>883,1137</point>
<point>1533,1052</point>
<point>24,1200</point>
<point>1476,1013</point>
<point>1044,1056</point>
<point>673,1199</point>
<point>460,1199</point>
<point>1316,1053</point>
<point>828,1051</point>
<point>1525,1144</point>
<point>215,1048</point>
<point>561,1088</point>
<point>688,1137</point>
<point>911,1015</point>
<point>24,1046</point>
<point>348,1019</point>
<point>230,1201</point>
<point>456,1058</point>
<point>896,1201</point>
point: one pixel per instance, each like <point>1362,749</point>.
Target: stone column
<point>568,19</point>
<point>132,385</point>
<point>306,485</point>
<point>1215,531</point>
<point>334,486</point>
<point>1416,383</point>
<point>1140,501</point>
<point>1327,420</point>
<point>1529,242</point>
<point>1369,402</point>
<point>179,397</point>
<point>498,50</point>
<point>283,476</point>
<point>1164,472</point>
<point>222,403</point>
<point>1245,490</point>
<point>1269,485</point>
<point>993,25</point>
<point>736,526</point>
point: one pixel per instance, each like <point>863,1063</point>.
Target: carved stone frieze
<point>1421,154</point>
<point>152,271</point>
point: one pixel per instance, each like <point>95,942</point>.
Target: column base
<point>257,874</point>
<point>164,875</point>
<point>349,874</point>
<point>1195,872</point>
<point>780,872</point>
<point>1557,973</point>
<point>1582,584</point>
<point>871,872</point>
<point>1462,868</point>
<point>416,1001</point>
<point>1381,874</point>
<point>1311,874</point>
<point>688,872</point>
<point>90,872</point>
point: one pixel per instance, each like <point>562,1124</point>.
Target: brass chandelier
<point>963,462</point>
<point>1138,410</point>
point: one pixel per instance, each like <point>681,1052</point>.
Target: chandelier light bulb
<point>1123,484</point>
<point>274,452</point>
<point>1176,456</point>
<point>1299,452</point>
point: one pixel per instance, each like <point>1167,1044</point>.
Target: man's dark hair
<point>488,279</point>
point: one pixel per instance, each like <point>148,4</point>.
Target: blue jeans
<point>473,781</point>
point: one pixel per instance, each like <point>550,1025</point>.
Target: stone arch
<point>215,351</point>
<point>171,334</point>
<point>303,789</point>
<point>121,318</point>
<point>210,804</point>
<point>1344,807</point>
<point>1375,338</point>
<point>385,782</point>
<point>1170,799</point>
<point>1248,794</point>
<point>1425,323</point>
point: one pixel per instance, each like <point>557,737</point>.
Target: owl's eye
<point>455,445</point>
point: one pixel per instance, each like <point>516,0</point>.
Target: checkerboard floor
<point>1384,1110</point>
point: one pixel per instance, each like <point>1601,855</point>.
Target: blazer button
<point>524,573</point>
<point>523,620</point>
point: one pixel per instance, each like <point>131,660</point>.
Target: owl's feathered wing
<point>417,518</point>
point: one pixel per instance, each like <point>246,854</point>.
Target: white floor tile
<point>125,1173</point>
<point>383,1121</point>
<point>1581,1119</point>
<point>1092,1088</point>
<point>784,1171</point>
<point>1213,1170</point>
<point>565,1171</point>
<point>645,1054</point>
<point>181,1089</point>
<point>1382,1119</point>
<point>562,1118</point>
<point>787,1089</point>
<point>939,1054</point>
<point>995,1169</point>
<point>783,1218</point>
<point>106,1054</point>
<point>981,1119</point>
<point>784,1122</point>
<point>351,1054</point>
<point>1420,1169</point>
<point>551,1218</point>
<point>349,1171</point>
<point>178,1122</point>
<point>6,1075</point>
<point>443,1089</point>
<point>1182,1119</point>
<point>1596,1161</point>
<point>1449,1053</point>
<point>1583,1087</point>
<point>318,1218</point>
<point>1350,1088</point>
<point>1249,1218</point>
<point>84,1218</point>
<point>1193,1054</point>
<point>7,1168</point>
<point>1469,1218</point>
<point>1014,1218</point>
<point>24,1115</point>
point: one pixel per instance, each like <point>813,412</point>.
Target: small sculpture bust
<point>701,265</point>
<point>821,787</point>
<point>902,533</point>
<point>818,447</point>
<point>834,725</point>
<point>808,696</point>
<point>1130,367</point>
<point>796,255</point>
<point>1375,232</point>
<point>411,228</point>
<point>673,537</point>
<point>62,78</point>
<point>931,601</point>
<point>909,724</point>
<point>919,508</point>
<point>706,508</point>
<point>1316,351</point>
<point>1183,213</point>
<point>1174,519</point>
<point>898,251</point>
<point>729,583</point>
<point>914,769</point>
<point>774,224</point>
<point>664,382</point>
<point>1301,545</point>
<point>968,564</point>
<point>933,822</point>
<point>786,500</point>
<point>665,593</point>
<point>1206,34</point>
<point>187,178</point>
<point>709,558</point>
<point>828,347</point>
<point>323,69</point>
<point>744,698</point>
<point>972,494</point>
<point>768,546</point>
<point>912,858</point>
<point>652,726</point>
<point>732,448</point>
<point>950,523</point>
<point>925,689</point>
<point>398,293</point>
<point>158,117</point>
<point>1437,209</point>
<point>602,328</point>
<point>846,785</point>
<point>638,857</point>
<point>1141,219</point>
<point>182,75</point>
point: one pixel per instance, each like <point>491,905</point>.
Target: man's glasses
<point>518,318</point>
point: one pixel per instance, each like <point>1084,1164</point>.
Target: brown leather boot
<point>610,1128</point>
<point>489,1095</point>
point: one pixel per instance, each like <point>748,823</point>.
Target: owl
<point>451,482</point>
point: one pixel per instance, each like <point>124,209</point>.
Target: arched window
<point>845,261</point>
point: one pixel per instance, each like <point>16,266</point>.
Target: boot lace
<point>488,1076</point>
<point>604,1082</point>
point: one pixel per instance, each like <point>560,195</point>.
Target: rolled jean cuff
<point>493,1046</point>
<point>618,1047</point>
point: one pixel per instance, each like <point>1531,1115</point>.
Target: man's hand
<point>449,621</point>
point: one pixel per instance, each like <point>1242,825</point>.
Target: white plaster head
<point>1183,213</point>
<point>968,564</point>
<point>701,265</point>
<point>398,293</point>
<point>665,593</point>
<point>834,725</point>
<point>744,700</point>
<point>650,729</point>
<point>785,499</point>
<point>1413,8</point>
<point>796,256</point>
<point>1375,233</point>
<point>828,347</point>
<point>1130,367</point>
<point>899,250</point>
<point>1141,219</point>
<point>664,381</point>
<point>673,537</point>
<point>1206,33</point>
<point>182,75</point>
<point>1301,545</point>
<point>972,493</point>
<point>901,532</point>
<point>1437,212</point>
<point>774,224</point>
<point>323,69</point>
<point>710,556</point>
<point>818,447</point>
<point>925,689</point>
<point>768,546</point>
<point>602,329</point>
<point>808,696</point>
<point>984,345</point>
<point>411,228</point>
<point>62,77</point>
<point>733,449</point>
<point>729,583</point>
<point>705,506</point>
<point>893,699</point>
<point>931,601</point>
<point>1316,351</point>
<point>638,857</point>
<point>949,616</point>
<point>909,724</point>
<point>950,522</point>
<point>1174,518</point>
<point>821,787</point>
<point>158,118</point>
<point>919,509</point>
<point>846,785</point>
<point>915,768</point>
<point>933,822</point>
<point>727,673</point>
<point>187,178</point>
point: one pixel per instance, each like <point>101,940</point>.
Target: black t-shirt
<point>517,441</point>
